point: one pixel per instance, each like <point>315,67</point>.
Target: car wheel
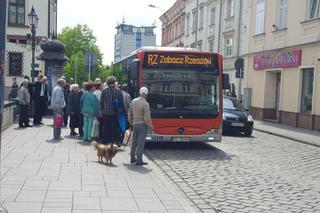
<point>248,132</point>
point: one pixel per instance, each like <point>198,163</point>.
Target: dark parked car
<point>235,117</point>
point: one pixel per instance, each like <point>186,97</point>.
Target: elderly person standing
<point>58,103</point>
<point>97,125</point>
<point>24,101</point>
<point>110,104</point>
<point>73,109</point>
<point>89,108</point>
<point>140,119</point>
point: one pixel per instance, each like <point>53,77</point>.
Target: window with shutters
<point>260,14</point>
<point>15,64</point>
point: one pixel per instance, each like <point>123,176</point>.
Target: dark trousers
<point>110,129</point>
<point>81,125</point>
<point>65,117</point>
<point>39,106</point>
<point>24,115</point>
<point>100,129</point>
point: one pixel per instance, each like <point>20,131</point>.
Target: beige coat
<point>139,113</point>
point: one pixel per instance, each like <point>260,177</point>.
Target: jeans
<point>88,124</point>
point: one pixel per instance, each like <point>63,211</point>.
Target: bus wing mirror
<point>225,81</point>
<point>134,72</point>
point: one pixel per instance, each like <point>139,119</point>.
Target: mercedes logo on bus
<point>181,130</point>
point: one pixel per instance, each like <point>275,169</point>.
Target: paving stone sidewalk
<point>298,134</point>
<point>40,175</point>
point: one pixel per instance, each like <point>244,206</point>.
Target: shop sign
<point>282,59</point>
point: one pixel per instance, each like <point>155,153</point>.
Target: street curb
<point>287,137</point>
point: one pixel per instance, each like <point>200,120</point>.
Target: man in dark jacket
<point>74,110</point>
<point>111,105</point>
<point>40,99</point>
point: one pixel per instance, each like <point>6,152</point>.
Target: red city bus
<point>185,91</point>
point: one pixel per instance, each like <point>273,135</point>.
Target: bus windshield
<point>182,93</point>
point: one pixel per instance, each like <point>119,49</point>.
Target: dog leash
<point>128,138</point>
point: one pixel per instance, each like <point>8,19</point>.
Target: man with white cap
<point>139,117</point>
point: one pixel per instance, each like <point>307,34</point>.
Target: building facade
<point>283,62</point>
<point>130,38</point>
<point>214,25</point>
<point>173,25</point>
<point>18,43</point>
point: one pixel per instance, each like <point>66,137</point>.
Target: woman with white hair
<point>73,109</point>
<point>58,103</point>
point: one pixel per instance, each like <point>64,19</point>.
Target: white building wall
<point>18,32</point>
<point>225,27</point>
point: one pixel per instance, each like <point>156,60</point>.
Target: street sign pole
<point>239,91</point>
<point>89,67</point>
<point>3,26</point>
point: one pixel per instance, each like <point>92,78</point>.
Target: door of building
<point>277,96</point>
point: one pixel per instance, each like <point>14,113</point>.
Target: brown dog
<point>105,151</point>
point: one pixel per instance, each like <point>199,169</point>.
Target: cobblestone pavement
<point>263,173</point>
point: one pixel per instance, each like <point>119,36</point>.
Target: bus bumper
<point>208,137</point>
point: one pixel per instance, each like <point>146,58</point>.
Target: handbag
<point>58,121</point>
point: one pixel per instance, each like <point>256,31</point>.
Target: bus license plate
<point>237,124</point>
<point>180,139</point>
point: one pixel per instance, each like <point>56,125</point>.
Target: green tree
<point>78,40</point>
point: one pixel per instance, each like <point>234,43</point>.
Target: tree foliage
<point>78,40</point>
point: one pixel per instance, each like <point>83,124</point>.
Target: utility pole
<point>238,49</point>
<point>3,27</point>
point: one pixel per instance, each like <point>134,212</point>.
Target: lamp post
<point>33,21</point>
<point>164,14</point>
<point>3,27</point>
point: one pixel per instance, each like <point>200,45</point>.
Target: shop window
<point>307,90</point>
<point>15,64</point>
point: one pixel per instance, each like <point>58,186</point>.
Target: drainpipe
<point>219,29</point>
<point>197,17</point>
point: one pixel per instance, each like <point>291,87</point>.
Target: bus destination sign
<point>178,60</point>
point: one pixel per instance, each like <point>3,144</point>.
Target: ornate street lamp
<point>33,21</point>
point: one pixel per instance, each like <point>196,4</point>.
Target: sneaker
<point>141,163</point>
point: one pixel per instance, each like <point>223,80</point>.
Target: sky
<point>102,16</point>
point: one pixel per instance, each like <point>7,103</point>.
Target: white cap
<point>144,91</point>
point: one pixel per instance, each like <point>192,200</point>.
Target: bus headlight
<point>214,131</point>
<point>250,118</point>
